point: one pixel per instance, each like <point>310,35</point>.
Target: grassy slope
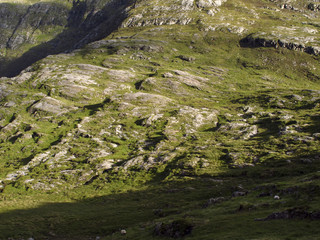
<point>136,200</point>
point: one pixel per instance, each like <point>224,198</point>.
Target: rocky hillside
<point>32,32</point>
<point>194,119</point>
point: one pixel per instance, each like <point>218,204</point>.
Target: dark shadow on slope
<point>314,127</point>
<point>94,108</point>
<point>79,32</point>
<point>139,211</point>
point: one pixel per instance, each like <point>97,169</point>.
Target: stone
<point>9,104</point>
<point>175,229</point>
<point>187,4</point>
<point>186,58</point>
<point>264,194</point>
<point>146,98</point>
<point>293,213</point>
<point>49,105</point>
<point>153,118</point>
<point>159,212</point>
<point>107,164</point>
<point>92,68</point>
<point>168,75</point>
<point>137,161</point>
<point>316,135</point>
<point>239,194</point>
<point>276,197</point>
<point>209,3</point>
<point>121,75</point>
<point>263,40</point>
<point>213,201</point>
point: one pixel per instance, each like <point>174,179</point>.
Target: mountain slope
<point>195,119</point>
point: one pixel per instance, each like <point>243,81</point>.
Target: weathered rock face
<point>314,7</point>
<point>55,28</point>
<point>294,213</point>
<point>260,41</point>
<point>209,3</point>
<point>10,16</point>
<point>19,22</point>
<point>178,12</point>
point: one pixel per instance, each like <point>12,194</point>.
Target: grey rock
<point>264,41</point>
<point>213,201</point>
<point>107,164</point>
<point>209,3</point>
<point>239,194</point>
<point>146,97</point>
<point>1,186</point>
<point>49,105</point>
<point>186,58</point>
<point>313,7</point>
<point>121,75</point>
<point>187,4</point>
<point>293,213</point>
<point>316,135</point>
<point>264,194</point>
<point>168,75</point>
<point>10,104</point>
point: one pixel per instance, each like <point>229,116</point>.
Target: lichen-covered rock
<point>307,44</point>
<point>49,105</point>
<point>209,3</point>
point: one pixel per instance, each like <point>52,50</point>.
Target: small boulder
<point>213,201</point>
<point>239,194</point>
<point>186,58</point>
<point>293,213</point>
<point>264,194</point>
<point>176,229</point>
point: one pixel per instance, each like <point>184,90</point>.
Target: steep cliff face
<point>38,17</point>
<point>33,32</point>
<point>22,24</point>
<point>10,16</point>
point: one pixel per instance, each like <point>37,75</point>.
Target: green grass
<point>86,212</point>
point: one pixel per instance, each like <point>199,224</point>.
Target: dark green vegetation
<point>168,127</point>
